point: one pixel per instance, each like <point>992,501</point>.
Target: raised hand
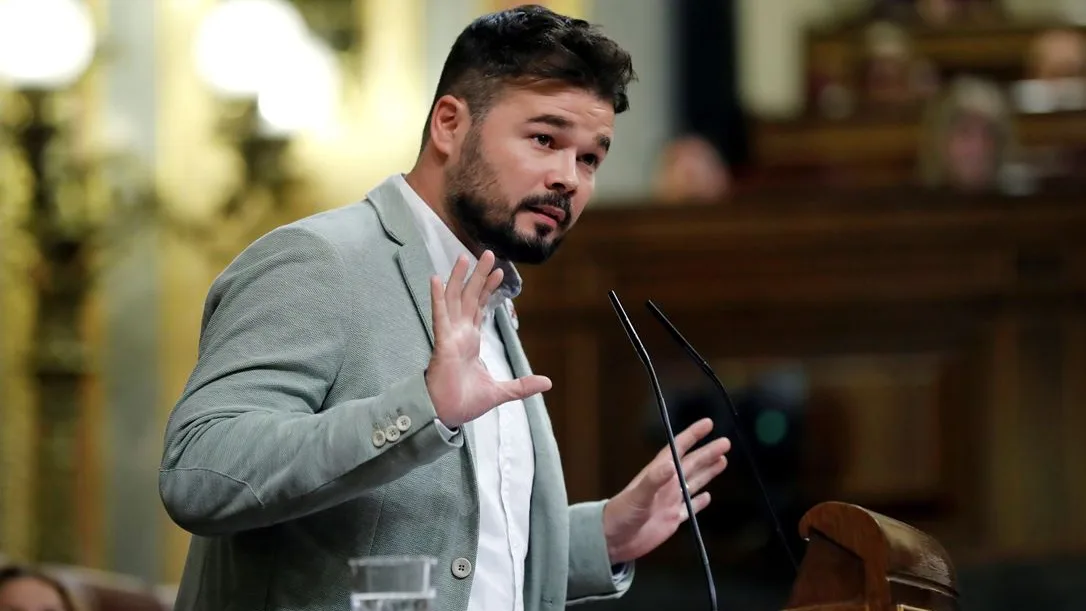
<point>460,386</point>
<point>651,508</point>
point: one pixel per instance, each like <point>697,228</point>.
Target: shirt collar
<point>444,247</point>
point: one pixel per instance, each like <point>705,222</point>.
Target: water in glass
<point>391,601</point>
<point>392,583</point>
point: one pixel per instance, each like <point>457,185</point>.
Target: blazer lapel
<point>412,257</point>
<point>416,271</point>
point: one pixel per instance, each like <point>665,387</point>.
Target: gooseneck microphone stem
<point>745,448</point>
<point>643,354</point>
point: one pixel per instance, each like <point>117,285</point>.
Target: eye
<point>543,139</point>
<point>590,160</point>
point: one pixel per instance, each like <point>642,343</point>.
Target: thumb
<point>522,388</point>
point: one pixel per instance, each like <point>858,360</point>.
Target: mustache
<point>554,199</point>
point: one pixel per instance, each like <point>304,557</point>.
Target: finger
<point>699,502</point>
<point>708,454</point>
<point>701,477</point>
<point>683,442</point>
<point>455,287</point>
<point>662,469</point>
<point>438,309</point>
<point>492,283</point>
<point>699,469</point>
<point>661,472</point>
<point>522,388</point>
<point>691,436</point>
<point>478,278</point>
<point>480,314</point>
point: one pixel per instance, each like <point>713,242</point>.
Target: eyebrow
<point>552,120</point>
<point>557,122</point>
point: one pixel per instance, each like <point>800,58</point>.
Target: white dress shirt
<point>501,441</point>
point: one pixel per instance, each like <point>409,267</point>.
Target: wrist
<point>440,410</point>
<point>609,535</point>
<point>448,434</point>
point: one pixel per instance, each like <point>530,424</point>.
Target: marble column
<point>130,438</point>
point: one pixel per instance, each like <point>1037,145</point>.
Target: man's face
<point>525,172</point>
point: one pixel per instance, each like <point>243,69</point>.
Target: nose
<point>564,178</point>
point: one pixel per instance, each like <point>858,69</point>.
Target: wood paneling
<point>999,48</point>
<point>938,340</point>
<point>886,140</point>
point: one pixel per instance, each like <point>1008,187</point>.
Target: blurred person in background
<point>936,13</point>
<point>1058,54</point>
<point>968,140</point>
<point>24,589</point>
<point>894,77</point>
<point>1056,82</point>
<point>950,12</point>
<point>691,170</point>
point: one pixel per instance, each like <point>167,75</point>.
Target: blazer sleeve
<point>591,576</point>
<point>251,441</point>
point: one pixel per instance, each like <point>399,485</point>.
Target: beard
<point>485,220</point>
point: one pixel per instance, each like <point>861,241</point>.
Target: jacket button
<point>461,568</point>
<point>392,434</point>
<point>379,438</point>
<point>403,423</point>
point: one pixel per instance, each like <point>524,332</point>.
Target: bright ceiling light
<point>305,92</point>
<point>241,44</point>
<point>45,44</point>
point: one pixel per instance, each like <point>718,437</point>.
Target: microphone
<point>643,354</point>
<point>704,366</point>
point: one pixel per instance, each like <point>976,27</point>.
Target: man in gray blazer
<point>360,389</point>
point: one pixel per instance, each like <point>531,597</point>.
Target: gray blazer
<point>314,340</point>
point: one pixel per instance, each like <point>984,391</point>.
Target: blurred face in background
<point>692,171</point>
<point>971,152</point>
<point>1058,54</point>
<point>30,594</point>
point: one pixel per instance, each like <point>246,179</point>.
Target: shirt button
<point>461,568</point>
<point>403,423</point>
<point>392,434</point>
<point>379,438</point>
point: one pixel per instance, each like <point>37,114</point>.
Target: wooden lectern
<point>858,560</point>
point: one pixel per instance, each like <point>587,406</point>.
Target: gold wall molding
<point>20,408</point>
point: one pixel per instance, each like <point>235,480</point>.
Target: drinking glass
<point>392,583</point>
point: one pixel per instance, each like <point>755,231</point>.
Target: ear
<point>448,123</point>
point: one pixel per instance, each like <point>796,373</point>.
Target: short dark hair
<point>528,44</point>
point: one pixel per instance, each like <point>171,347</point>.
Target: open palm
<point>460,386</point>
<point>651,508</point>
